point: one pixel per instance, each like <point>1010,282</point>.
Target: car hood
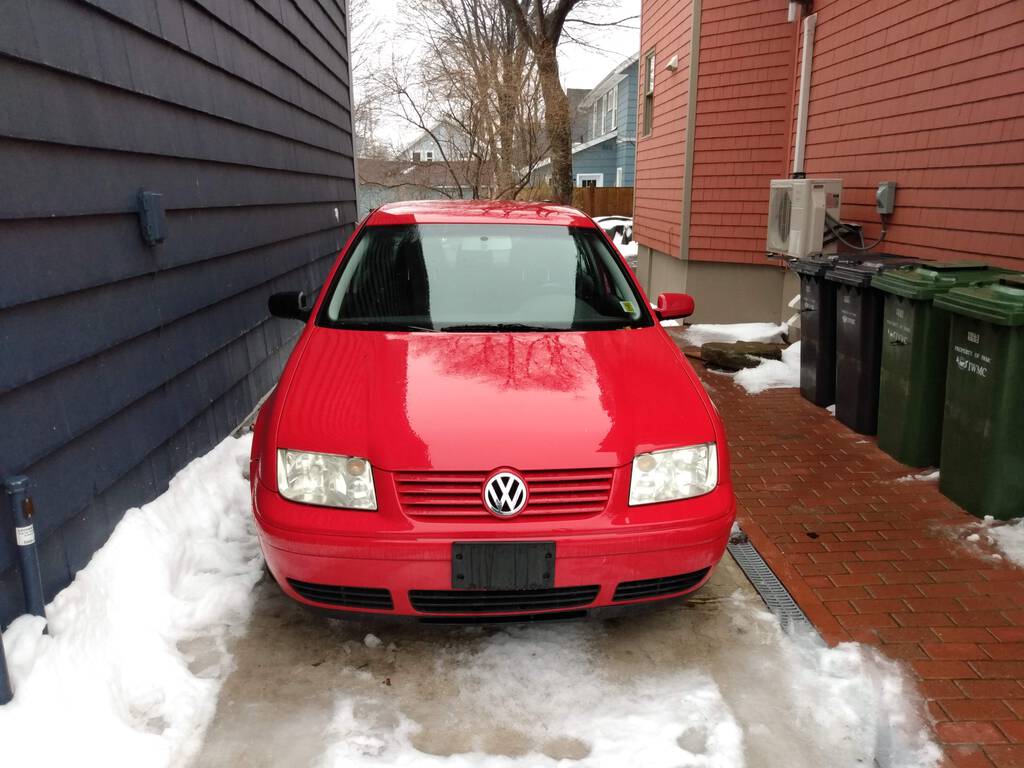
<point>477,401</point>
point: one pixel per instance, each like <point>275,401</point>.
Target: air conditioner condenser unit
<point>796,215</point>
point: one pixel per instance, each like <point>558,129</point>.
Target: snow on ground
<point>772,374</point>
<point>130,669</point>
<point>699,334</point>
<point>920,477</point>
<point>137,651</point>
<point>1009,537</point>
<point>546,696</point>
<point>769,374</point>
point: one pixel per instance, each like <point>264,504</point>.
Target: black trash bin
<point>817,329</point>
<point>858,338</point>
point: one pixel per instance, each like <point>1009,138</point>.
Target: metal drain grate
<point>767,584</point>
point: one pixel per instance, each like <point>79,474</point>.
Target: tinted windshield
<point>470,277</point>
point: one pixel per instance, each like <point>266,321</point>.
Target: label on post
<point>25,535</point>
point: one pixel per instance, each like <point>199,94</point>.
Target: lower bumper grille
<point>667,585</point>
<point>351,597</point>
<point>495,601</point>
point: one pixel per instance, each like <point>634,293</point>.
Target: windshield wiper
<point>385,326</point>
<point>500,327</point>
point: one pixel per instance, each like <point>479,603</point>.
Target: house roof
<point>612,77</point>
<point>408,173</point>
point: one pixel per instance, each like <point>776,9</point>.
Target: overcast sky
<point>581,67</point>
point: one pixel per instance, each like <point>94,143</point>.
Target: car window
<point>472,277</point>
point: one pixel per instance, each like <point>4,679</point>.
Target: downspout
<point>691,124</point>
<point>806,66</point>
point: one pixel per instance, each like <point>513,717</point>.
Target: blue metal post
<point>5,679</point>
<point>25,536</point>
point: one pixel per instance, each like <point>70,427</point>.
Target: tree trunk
<point>556,121</point>
<point>508,93</point>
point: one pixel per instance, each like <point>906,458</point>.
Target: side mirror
<point>291,305</point>
<point>674,305</point>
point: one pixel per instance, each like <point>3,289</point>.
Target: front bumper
<point>365,552</point>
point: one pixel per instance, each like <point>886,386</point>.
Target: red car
<point>484,418</point>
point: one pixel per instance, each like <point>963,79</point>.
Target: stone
<point>734,356</point>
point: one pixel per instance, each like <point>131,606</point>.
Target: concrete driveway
<point>711,681</point>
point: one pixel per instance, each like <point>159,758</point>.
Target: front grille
<point>459,494</point>
<point>667,585</point>
<point>351,597</point>
<point>500,601</point>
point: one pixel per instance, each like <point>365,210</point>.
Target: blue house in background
<point>604,132</point>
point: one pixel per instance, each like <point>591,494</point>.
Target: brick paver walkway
<point>880,561</point>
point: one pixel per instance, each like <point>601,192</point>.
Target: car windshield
<point>475,277</point>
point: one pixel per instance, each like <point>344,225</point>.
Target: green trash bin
<point>915,338</point>
<point>982,464</point>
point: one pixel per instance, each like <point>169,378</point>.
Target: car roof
<point>477,212</point>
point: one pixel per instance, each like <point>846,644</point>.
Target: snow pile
<point>111,682</point>
<point>1009,537</point>
<point>628,250</point>
<point>772,374</point>
<point>546,696</point>
<point>921,477</point>
<point>620,228</point>
<point>697,335</point>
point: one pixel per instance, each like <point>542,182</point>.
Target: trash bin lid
<point>999,302</point>
<point>928,279</point>
<point>860,271</point>
<point>812,266</point>
<point>1013,279</point>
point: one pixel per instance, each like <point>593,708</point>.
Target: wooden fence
<point>604,201</point>
<point>593,201</point>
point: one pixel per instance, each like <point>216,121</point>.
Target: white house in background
<point>428,146</point>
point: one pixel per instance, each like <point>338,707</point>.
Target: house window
<point>609,102</point>
<point>415,157</point>
<point>589,179</point>
<point>594,130</point>
<point>619,176</point>
<point>429,155</point>
<point>648,93</point>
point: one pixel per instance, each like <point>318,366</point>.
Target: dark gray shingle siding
<point>120,362</point>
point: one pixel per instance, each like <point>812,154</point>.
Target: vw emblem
<point>505,493</point>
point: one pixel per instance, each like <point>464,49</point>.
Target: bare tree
<point>364,32</point>
<point>543,24</point>
<point>540,24</point>
<point>471,86</point>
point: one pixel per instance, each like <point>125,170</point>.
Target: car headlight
<point>325,479</point>
<point>678,473</point>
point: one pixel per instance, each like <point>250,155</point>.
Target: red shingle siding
<point>926,93</point>
<point>743,102</point>
<point>658,202</point>
<point>930,96</point>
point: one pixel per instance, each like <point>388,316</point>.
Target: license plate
<point>503,565</point>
